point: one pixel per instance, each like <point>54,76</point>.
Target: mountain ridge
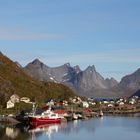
<point>80,81</point>
<point>91,83</point>
<point>88,82</point>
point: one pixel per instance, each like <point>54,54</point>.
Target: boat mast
<point>34,108</point>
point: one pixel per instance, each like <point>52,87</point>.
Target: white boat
<point>101,113</point>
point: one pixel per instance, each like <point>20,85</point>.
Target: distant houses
<point>16,99</point>
<point>85,103</point>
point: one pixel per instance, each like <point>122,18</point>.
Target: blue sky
<point>104,33</point>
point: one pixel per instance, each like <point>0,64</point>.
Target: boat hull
<point>34,120</point>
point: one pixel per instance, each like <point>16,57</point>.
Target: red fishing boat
<point>46,117</point>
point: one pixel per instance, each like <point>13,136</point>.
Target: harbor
<point>55,111</point>
<point>75,118</point>
<point>109,127</point>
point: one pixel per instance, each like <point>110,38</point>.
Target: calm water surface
<point>108,127</point>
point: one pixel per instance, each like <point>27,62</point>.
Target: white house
<point>121,103</point>
<point>65,103</point>
<point>85,104</point>
<point>79,99</point>
<point>93,103</point>
<point>105,102</point>
<point>15,98</point>
<point>110,105</point>
<point>25,99</point>
<point>10,104</point>
<point>74,100</point>
<point>131,102</point>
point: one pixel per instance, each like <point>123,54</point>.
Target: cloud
<point>15,34</point>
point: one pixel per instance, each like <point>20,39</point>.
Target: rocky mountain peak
<point>36,61</point>
<point>77,69</point>
<point>67,64</point>
<point>91,69</point>
<point>111,79</point>
<point>111,82</point>
<point>131,81</point>
<point>84,82</point>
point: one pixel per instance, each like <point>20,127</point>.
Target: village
<point>74,108</point>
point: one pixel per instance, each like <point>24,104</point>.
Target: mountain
<point>130,83</point>
<point>13,80</point>
<point>43,72</point>
<point>111,82</point>
<point>90,78</point>
<point>136,94</point>
<point>87,83</point>
<point>37,70</point>
<point>30,80</point>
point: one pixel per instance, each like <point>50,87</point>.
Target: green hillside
<point>13,80</point>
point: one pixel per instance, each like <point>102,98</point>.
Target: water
<point>108,127</point>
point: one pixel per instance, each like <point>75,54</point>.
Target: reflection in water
<point>64,128</point>
<point>47,129</point>
<point>11,132</point>
<point>96,128</point>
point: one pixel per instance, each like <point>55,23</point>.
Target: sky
<point>104,33</point>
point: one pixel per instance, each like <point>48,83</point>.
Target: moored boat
<point>101,113</point>
<point>46,117</point>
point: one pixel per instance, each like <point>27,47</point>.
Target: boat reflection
<point>69,128</point>
<point>47,129</point>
